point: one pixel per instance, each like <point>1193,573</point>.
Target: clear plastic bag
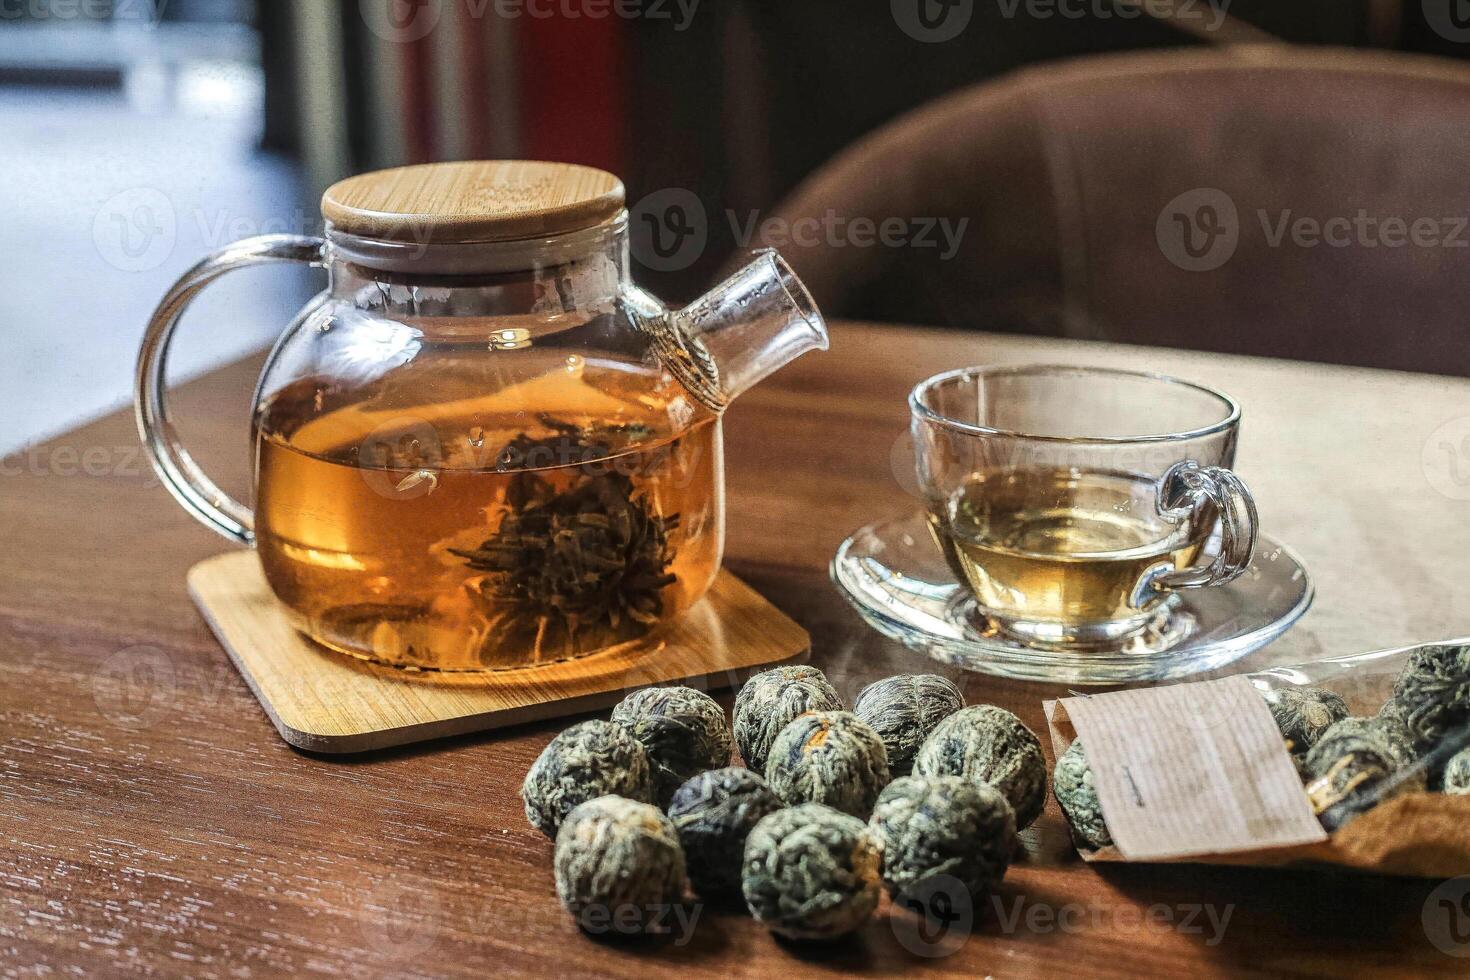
<point>1363,680</point>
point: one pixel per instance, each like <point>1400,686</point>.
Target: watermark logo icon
<point>902,464</point>
<point>932,21</point>
<point>1198,230</point>
<point>670,229</point>
<point>135,687</point>
<point>1446,459</point>
<point>401,21</point>
<point>399,919</point>
<point>1446,917</point>
<point>135,230</point>
<point>941,921</point>
<point>401,458</point>
<point>1450,19</point>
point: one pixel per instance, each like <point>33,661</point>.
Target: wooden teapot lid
<point>473,201</point>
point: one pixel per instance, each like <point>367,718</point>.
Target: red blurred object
<point>474,82</point>
<point>418,101</point>
<point>573,89</point>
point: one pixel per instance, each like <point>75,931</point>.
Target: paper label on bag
<point>1192,769</point>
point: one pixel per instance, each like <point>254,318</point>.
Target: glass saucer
<point>898,581</point>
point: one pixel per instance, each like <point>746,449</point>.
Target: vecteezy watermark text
<point>1363,229</point>
<point>937,21</point>
<point>670,230</point>
<point>679,12</point>
<point>1193,918</point>
<point>112,11</point>
<point>944,918</point>
<point>402,916</point>
<point>136,229</point>
<point>1200,229</point>
<point>1211,13</point>
<point>407,21</point>
<point>125,462</point>
<point>838,231</point>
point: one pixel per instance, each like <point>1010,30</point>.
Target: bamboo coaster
<point>326,702</point>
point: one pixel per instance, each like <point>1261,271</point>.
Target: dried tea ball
<point>903,710</point>
<point>770,700</point>
<point>1352,736</point>
<point>1433,692</point>
<point>1076,791</point>
<point>588,760</point>
<point>1457,774</point>
<point>1396,720</point>
<point>811,872</point>
<point>714,813</point>
<point>682,730</point>
<point>1387,734</point>
<point>935,830</point>
<point>831,757</point>
<point>991,745</point>
<point>1304,713</point>
<point>1348,761</point>
<point>1392,723</point>
<point>618,864</point>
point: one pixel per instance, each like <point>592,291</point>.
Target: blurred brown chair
<point>1290,202</point>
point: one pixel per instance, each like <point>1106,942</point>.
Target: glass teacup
<point>1076,502</point>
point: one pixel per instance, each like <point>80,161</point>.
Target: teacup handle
<point>176,468</point>
<point>1184,490</point>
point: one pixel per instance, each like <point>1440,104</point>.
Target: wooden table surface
<point>152,820</point>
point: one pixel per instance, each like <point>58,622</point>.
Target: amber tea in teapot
<point>524,539</point>
<point>483,447</point>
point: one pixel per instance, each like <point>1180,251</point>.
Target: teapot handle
<point>176,468</point>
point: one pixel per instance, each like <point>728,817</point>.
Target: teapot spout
<point>758,320</point>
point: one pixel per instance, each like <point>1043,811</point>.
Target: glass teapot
<point>483,447</point>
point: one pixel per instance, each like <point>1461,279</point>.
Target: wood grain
<point>327,702</point>
<point>152,821</point>
<point>473,201</point>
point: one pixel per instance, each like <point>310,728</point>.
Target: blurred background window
<point>132,146</point>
